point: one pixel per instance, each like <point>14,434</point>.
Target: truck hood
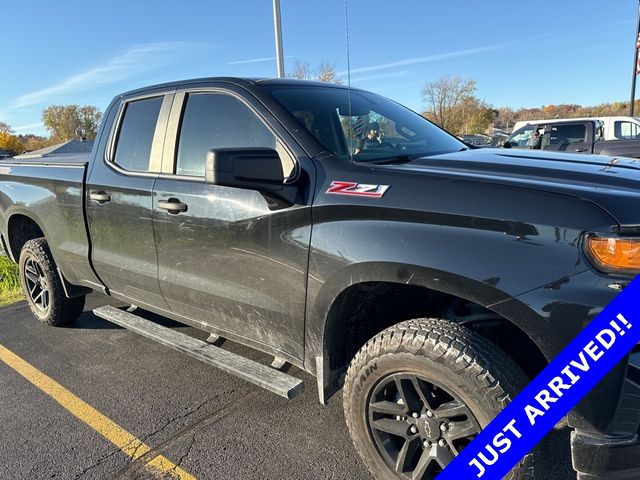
<point>613,183</point>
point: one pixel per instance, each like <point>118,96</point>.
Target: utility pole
<point>635,66</point>
<point>277,25</point>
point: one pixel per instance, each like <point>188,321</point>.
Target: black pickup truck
<point>430,280</point>
<point>571,136</point>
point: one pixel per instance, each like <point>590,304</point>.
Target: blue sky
<point>521,54</point>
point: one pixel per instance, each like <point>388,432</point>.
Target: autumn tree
<point>10,142</point>
<point>5,128</point>
<point>66,122</point>
<point>506,119</point>
<point>33,142</point>
<point>452,104</point>
<point>326,72</point>
<point>301,71</point>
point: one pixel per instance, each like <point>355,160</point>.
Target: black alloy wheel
<point>418,426</point>
<point>43,286</point>
<point>37,286</point>
<point>419,392</point>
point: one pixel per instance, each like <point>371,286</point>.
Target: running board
<point>266,377</point>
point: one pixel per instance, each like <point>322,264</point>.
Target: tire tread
<point>62,310</point>
<point>470,355</point>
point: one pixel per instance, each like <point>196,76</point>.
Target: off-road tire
<point>463,363</point>
<point>59,310</point>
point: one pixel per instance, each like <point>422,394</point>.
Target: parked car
<point>429,280</point>
<point>477,140</point>
<point>573,136</point>
<point>615,128</point>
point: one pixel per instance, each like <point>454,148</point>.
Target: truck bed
<point>51,190</point>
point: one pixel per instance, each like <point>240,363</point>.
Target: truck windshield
<point>364,127</point>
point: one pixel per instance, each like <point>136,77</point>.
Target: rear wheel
<point>43,287</point>
<point>419,392</point>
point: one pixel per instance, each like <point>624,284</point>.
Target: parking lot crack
<point>96,464</point>
<point>189,431</point>
<point>186,455</point>
<point>182,416</point>
<point>141,444</point>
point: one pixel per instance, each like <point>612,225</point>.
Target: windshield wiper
<point>397,159</point>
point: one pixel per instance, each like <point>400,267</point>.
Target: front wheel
<point>43,287</point>
<point>419,392</point>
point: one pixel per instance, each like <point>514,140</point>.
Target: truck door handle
<point>580,150</point>
<point>173,206</point>
<point>100,197</point>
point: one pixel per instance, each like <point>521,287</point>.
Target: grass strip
<point>10,291</point>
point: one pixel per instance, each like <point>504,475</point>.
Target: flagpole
<point>635,66</point>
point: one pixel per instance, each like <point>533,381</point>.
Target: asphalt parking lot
<point>203,422</point>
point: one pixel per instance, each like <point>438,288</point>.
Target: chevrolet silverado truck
<point>572,136</point>
<point>429,280</point>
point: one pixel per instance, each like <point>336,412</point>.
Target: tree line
<point>451,102</point>
<point>63,122</point>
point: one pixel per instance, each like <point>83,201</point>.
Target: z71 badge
<point>357,189</point>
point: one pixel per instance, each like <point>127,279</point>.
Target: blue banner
<point>553,393</point>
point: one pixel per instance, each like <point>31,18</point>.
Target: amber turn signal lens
<point>615,253</point>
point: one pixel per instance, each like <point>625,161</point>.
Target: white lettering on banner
<point>546,398</point>
<point>502,442</point>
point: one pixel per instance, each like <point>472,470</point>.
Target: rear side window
<point>215,120</point>
<point>567,134</point>
<point>135,139</point>
<point>626,130</point>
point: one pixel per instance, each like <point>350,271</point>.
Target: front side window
<point>520,138</point>
<point>137,129</point>
<point>215,120</point>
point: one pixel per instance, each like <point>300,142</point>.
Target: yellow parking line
<point>122,439</point>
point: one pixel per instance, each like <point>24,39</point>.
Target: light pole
<point>278,31</point>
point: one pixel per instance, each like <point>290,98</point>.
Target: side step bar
<point>266,377</point>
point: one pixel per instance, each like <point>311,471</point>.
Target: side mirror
<point>506,144</point>
<point>250,168</point>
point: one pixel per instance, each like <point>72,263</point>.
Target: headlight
<point>613,253</point>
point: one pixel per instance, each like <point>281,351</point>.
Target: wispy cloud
<point>28,127</point>
<point>378,76</point>
<point>134,61</point>
<point>257,60</point>
<point>253,60</point>
<point>427,59</point>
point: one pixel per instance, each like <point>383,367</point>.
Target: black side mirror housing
<point>250,168</point>
<point>506,144</point>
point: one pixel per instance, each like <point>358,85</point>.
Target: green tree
<point>66,122</point>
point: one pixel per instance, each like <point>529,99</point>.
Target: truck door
<point>569,137</point>
<point>234,259</point>
<point>119,207</point>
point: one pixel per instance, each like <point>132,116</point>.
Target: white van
<point>615,128</point>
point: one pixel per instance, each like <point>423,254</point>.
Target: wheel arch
<point>20,229</point>
<point>375,297</point>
